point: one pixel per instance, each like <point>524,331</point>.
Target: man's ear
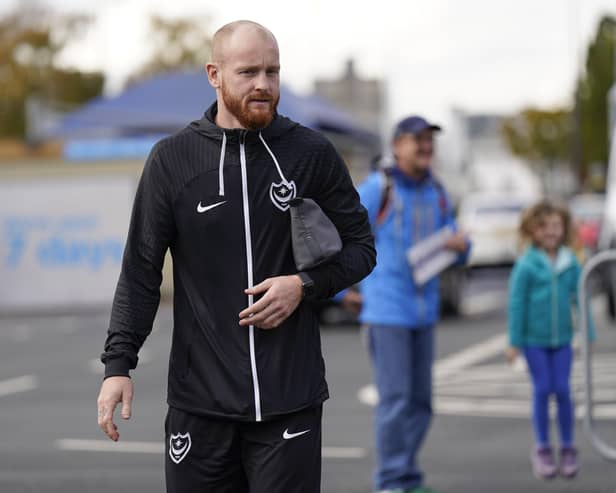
<point>213,74</point>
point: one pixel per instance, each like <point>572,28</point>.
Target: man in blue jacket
<point>406,204</point>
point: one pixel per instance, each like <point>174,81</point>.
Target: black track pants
<point>205,455</point>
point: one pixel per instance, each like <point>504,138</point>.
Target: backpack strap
<point>386,196</point>
<point>443,201</point>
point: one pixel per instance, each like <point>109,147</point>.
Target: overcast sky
<point>478,55</point>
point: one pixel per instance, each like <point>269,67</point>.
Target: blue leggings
<point>550,369</point>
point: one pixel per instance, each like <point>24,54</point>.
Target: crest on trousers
<point>282,193</point>
<point>179,445</point>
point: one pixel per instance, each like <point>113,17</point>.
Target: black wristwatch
<point>307,285</point>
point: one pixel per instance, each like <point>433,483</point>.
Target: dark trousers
<point>205,455</point>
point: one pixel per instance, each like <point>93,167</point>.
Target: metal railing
<point>607,256</point>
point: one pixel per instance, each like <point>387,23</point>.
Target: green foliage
<point>31,39</point>
<point>550,135</point>
<point>540,135</point>
<point>592,94</point>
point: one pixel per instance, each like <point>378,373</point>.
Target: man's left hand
<point>282,295</point>
<point>457,242</point>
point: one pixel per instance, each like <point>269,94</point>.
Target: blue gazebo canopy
<point>167,102</point>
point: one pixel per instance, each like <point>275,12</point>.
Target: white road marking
<point>80,445</point>
<point>368,395</point>
<point>503,408</point>
<point>464,387</point>
<point>451,365</point>
<point>109,446</point>
<point>19,384</point>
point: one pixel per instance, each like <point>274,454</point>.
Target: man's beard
<point>250,118</point>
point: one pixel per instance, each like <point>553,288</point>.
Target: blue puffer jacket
<point>541,293</point>
<point>416,210</point>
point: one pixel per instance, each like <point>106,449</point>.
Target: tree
<point>580,134</point>
<point>177,43</point>
<point>31,38</point>
<point>540,135</point>
<point>592,95</point>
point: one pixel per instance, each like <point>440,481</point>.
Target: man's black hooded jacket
<point>218,199</point>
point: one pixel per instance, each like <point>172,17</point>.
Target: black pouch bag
<point>314,237</point>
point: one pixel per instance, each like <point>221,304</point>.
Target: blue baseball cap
<point>414,125</point>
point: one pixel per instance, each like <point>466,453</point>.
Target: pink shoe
<point>569,466</point>
<point>543,462</point>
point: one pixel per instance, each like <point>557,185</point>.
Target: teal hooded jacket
<point>542,293</point>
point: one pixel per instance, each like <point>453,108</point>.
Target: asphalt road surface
<point>479,441</point>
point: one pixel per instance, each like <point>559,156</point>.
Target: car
<point>587,214</point>
<point>491,220</point>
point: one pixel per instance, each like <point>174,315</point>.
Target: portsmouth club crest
<point>282,193</point>
<point>179,445</point>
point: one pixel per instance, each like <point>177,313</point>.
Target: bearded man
<point>246,375</point>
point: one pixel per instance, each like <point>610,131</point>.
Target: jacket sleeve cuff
<point>339,296</point>
<point>463,256</point>
<point>321,283</point>
<point>117,367</point>
<point>515,340</point>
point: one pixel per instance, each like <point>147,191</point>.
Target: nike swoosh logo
<point>201,208</point>
<point>287,436</point>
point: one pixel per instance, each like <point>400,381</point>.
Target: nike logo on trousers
<point>287,436</point>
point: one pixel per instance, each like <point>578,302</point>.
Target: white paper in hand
<point>430,257</point>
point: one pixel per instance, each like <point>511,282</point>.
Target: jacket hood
<point>207,126</point>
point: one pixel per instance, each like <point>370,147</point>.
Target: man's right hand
<point>114,390</point>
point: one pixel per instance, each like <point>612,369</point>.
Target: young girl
<point>542,286</point>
